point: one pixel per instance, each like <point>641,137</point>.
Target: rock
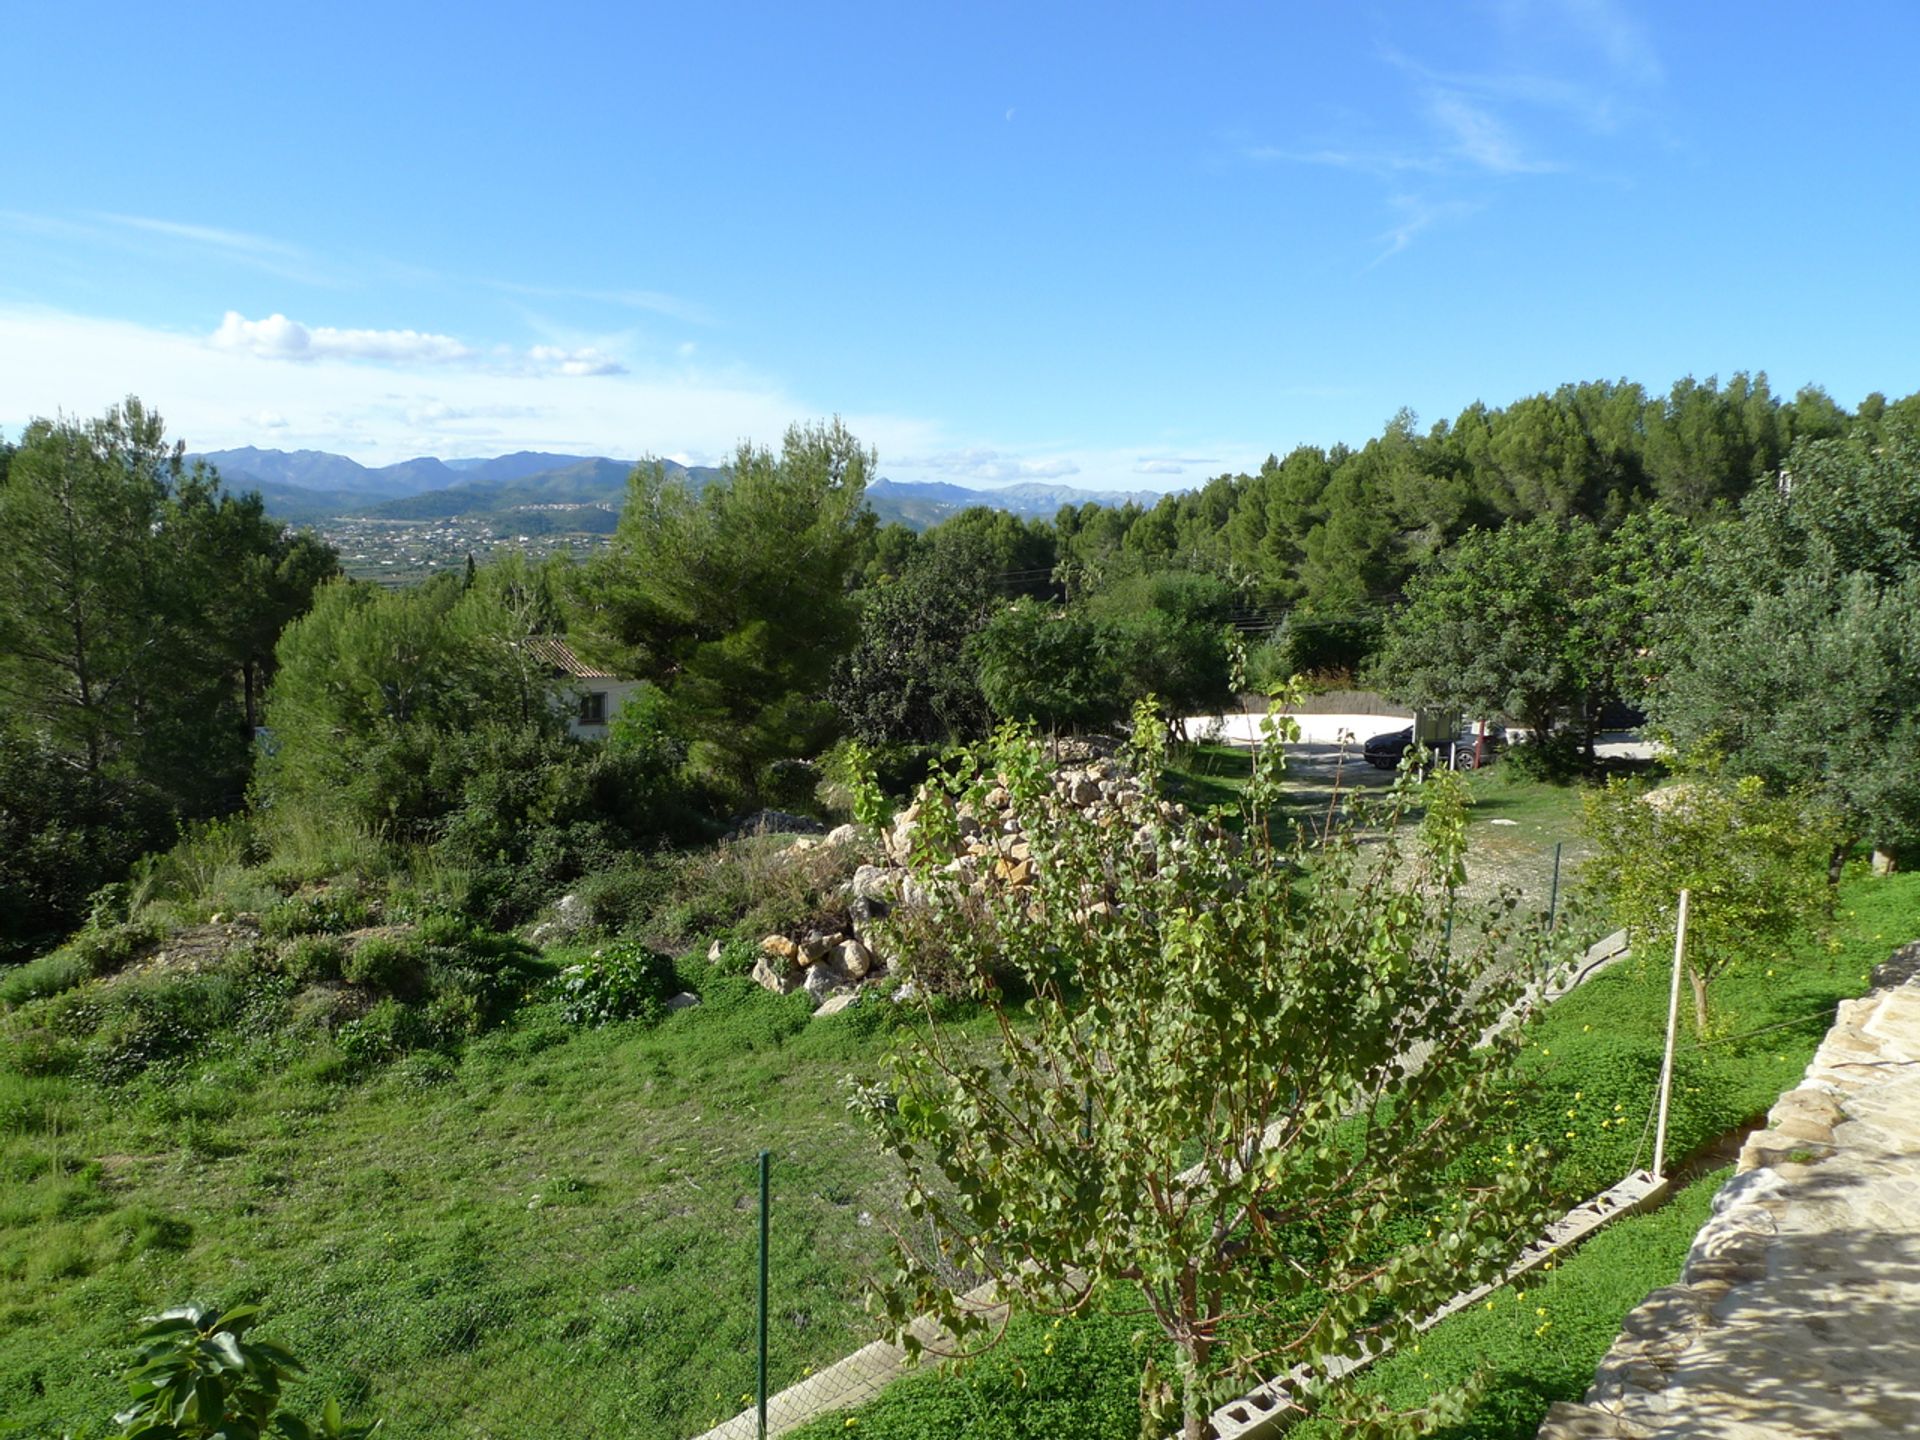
<point>845,835</point>
<point>779,947</point>
<point>907,992</point>
<point>834,1004</point>
<point>715,951</point>
<point>865,912</point>
<point>823,980</point>
<point>999,797</point>
<point>871,882</point>
<point>1081,791</point>
<point>769,974</point>
<point>900,838</point>
<point>685,1000</point>
<point>1503,822</point>
<point>854,958</point>
<point>801,844</point>
<point>815,947</point>
<point>569,914</point>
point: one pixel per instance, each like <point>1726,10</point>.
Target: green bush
<point>386,963</point>
<point>331,912</point>
<point>90,953</point>
<point>139,1025</point>
<point>49,975</point>
<point>314,957</point>
<point>623,981</point>
<point>384,1033</point>
<point>626,897</point>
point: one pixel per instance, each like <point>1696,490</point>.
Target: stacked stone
<point>994,852</point>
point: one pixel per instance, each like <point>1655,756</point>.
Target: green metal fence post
<point>761,1387</point>
<point>1553,903</point>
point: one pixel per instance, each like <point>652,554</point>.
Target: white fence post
<point>1673,1020</point>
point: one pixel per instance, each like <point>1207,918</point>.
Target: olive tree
<point>1235,1092</point>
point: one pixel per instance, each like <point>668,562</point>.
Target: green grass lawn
<point>1539,1340</point>
<point>553,1236</point>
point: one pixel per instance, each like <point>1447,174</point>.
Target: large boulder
<point>852,957</point>
<point>823,980</point>
<point>873,882</point>
<point>781,979</point>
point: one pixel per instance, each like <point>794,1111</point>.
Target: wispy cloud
<point>259,252</point>
<point>1478,138</point>
<point>1583,60</point>
<point>237,241</point>
<point>1621,38</point>
<point>278,338</point>
<point>1371,162</point>
<point>1416,215</point>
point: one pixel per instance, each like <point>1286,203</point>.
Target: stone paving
<point>1798,1312</point>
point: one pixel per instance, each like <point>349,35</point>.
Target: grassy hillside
<point>551,1234</point>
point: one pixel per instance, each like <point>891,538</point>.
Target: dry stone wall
<point>1798,1310</point>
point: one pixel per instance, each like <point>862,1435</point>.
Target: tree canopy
<point>139,607</point>
<point>735,601</point>
<point>1797,655</point>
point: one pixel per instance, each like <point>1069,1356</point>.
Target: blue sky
<point>1111,246</point>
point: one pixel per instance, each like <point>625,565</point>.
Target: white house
<point>591,697</point>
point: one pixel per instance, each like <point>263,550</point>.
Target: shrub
<point>90,953</point>
<point>1046,1379</point>
<point>330,912</point>
<point>624,898</point>
<point>624,981</point>
<point>789,785</point>
<point>737,957</point>
<point>314,957</point>
<point>202,1376</point>
<point>37,979</point>
<point>140,1025</point>
<point>388,964</point>
<point>384,1033</point>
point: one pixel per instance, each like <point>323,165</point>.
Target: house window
<point>593,708</point>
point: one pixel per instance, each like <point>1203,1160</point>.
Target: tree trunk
<point>1837,862</point>
<point>1885,862</point>
<point>1193,1409</point>
<point>1699,983</point>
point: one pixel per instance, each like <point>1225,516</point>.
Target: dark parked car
<point>1384,752</point>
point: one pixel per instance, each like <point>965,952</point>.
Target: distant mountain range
<point>308,486</point>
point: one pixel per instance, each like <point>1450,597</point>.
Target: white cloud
<point>216,397</point>
<point>559,361</point>
<point>329,398</point>
<point>977,463</point>
<point>278,338</point>
<point>1159,467</point>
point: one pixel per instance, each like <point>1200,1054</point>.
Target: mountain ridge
<point>306,486</point>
